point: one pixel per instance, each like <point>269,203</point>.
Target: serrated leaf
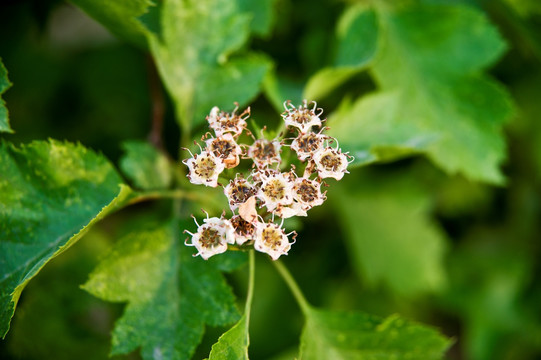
<point>171,295</point>
<point>357,44</point>
<point>329,335</point>
<point>391,237</point>
<point>193,56</point>
<point>4,85</point>
<point>145,166</point>
<point>120,17</point>
<point>429,72</point>
<point>52,193</point>
<point>233,344</point>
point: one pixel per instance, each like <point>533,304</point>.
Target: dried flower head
<point>212,237</point>
<point>226,148</point>
<point>308,193</point>
<point>276,190</point>
<point>303,117</point>
<point>243,230</point>
<point>331,163</point>
<point>238,191</point>
<point>305,145</point>
<point>271,238</point>
<point>265,152</point>
<point>204,168</point>
<point>222,122</point>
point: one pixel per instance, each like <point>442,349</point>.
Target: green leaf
<point>357,44</point>
<point>233,344</point>
<point>4,85</point>
<point>146,166</point>
<point>52,193</point>
<point>279,89</point>
<point>390,234</point>
<point>193,57</point>
<point>120,17</point>
<point>433,95</point>
<point>331,335</point>
<point>262,13</point>
<point>171,295</point>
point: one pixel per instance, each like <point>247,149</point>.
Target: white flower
<point>243,230</point>
<point>308,193</point>
<point>212,237</point>
<point>276,190</point>
<point>222,122</point>
<point>204,168</point>
<point>270,238</point>
<point>302,117</point>
<point>265,152</point>
<point>238,191</point>
<point>305,145</point>
<point>226,148</point>
<point>295,209</point>
<point>331,163</point>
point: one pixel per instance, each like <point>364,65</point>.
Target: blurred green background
<point>400,237</point>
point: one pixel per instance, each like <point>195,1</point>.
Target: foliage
<point>427,250</point>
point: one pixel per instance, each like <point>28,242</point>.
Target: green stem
<point>295,290</point>
<point>250,295</point>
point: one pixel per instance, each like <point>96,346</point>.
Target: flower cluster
<point>264,192</point>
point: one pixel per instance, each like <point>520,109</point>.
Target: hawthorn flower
<point>271,238</point>
<point>211,237</point>
<point>243,230</point>
<point>263,192</point>
<point>331,163</point>
<point>265,152</point>
<point>276,190</point>
<point>308,193</point>
<point>226,148</point>
<point>303,118</point>
<point>222,122</point>
<point>305,145</point>
<point>204,168</point>
<point>238,191</point>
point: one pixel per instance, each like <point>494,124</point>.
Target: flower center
<point>222,148</point>
<point>307,192</point>
<point>264,150</point>
<point>272,237</point>
<point>205,167</point>
<point>330,162</point>
<point>242,227</point>
<point>241,192</point>
<point>210,238</point>
<point>275,189</point>
<point>309,143</point>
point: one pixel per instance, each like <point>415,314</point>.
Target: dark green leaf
<point>262,14</point>
<point>433,96</point>
<point>146,166</point>
<point>331,335</point>
<point>120,17</point>
<point>52,193</point>
<point>171,295</point>
<point>390,234</point>
<point>357,44</point>
<point>4,85</point>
